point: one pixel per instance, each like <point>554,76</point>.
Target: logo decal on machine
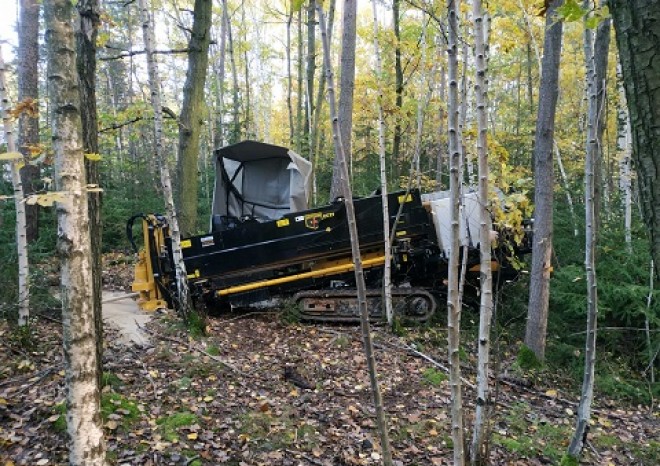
<point>312,220</point>
<point>207,241</point>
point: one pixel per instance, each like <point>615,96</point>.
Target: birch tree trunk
<point>84,425</point>
<point>183,305</point>
<point>190,120</point>
<point>625,166</point>
<point>539,289</point>
<point>477,455</point>
<point>86,35</point>
<point>453,296</point>
<point>355,250</point>
<point>586,398</point>
<point>310,72</point>
<point>235,134</point>
<point>387,271</point>
<point>28,89</point>
<point>567,188</point>
<point>289,76</point>
<point>21,223</point>
<point>346,88</point>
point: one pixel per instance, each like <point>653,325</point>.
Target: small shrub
<point>527,359</point>
<point>433,377</point>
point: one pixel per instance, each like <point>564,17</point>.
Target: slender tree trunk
<point>289,76</point>
<point>235,134</point>
<point>636,24</point>
<point>355,249</point>
<point>486,280</point>
<point>21,223</point>
<point>625,167</point>
<point>453,296</point>
<point>586,398</point>
<point>299,103</point>
<point>28,89</point>
<point>86,34</point>
<point>84,425</point>
<point>316,145</point>
<point>387,272</point>
<point>190,120</point>
<point>567,189</point>
<point>398,88</point>
<point>442,131</point>
<point>183,305</point>
<point>537,313</point>
<point>219,139</point>
<point>601,53</point>
<point>346,88</point>
<point>310,73</point>
<point>421,106</point>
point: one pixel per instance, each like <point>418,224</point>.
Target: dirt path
<point>122,312</point>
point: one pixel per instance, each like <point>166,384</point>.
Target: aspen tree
<point>453,295</point>
<point>183,297</point>
<point>387,272</point>
<point>19,203</point>
<point>355,249</point>
<point>83,413</point>
<point>586,398</point>
<point>486,279</point>
<point>539,288</point>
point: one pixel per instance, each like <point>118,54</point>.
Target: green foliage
<point>196,323</point>
<point>170,425</point>
<point>290,313</point>
<point>114,403</point>
<point>433,377</point>
<point>527,360</point>
<point>568,460</point>
<point>527,435</point>
<point>108,379</point>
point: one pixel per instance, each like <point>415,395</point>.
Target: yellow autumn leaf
<point>92,157</point>
<point>46,199</point>
<point>192,436</point>
<point>552,393</point>
<point>11,156</point>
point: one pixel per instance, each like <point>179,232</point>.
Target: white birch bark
<point>421,105</point>
<point>355,249</point>
<point>625,165</point>
<point>19,203</point>
<point>567,190</point>
<point>183,297</point>
<point>586,398</point>
<point>387,272</point>
<point>84,425</point>
<point>486,282</point>
<point>453,296</point>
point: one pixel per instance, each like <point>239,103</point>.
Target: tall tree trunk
<point>311,71</point>
<point>346,88</point>
<point>355,250</point>
<point>219,139</point>
<point>625,166</point>
<point>183,303</point>
<point>19,198</point>
<point>28,89</point>
<point>190,120</point>
<point>486,280</point>
<point>86,34</point>
<point>299,88</point>
<point>453,296</point>
<point>235,134</point>
<point>387,271</point>
<point>289,76</point>
<point>398,89</point>
<point>84,424</point>
<point>442,131</point>
<point>537,312</point>
<point>587,396</point>
<point>635,22</point>
<point>601,53</point>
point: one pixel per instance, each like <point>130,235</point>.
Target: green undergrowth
<point>170,426</point>
<point>268,431</point>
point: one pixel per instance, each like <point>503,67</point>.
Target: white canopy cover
<point>260,180</point>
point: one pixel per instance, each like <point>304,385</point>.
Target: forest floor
<point>257,391</point>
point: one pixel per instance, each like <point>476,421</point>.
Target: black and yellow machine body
<point>305,256</point>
